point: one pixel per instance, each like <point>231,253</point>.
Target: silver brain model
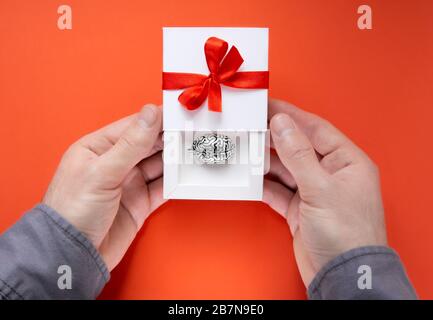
<point>213,148</point>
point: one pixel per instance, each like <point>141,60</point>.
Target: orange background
<point>377,86</point>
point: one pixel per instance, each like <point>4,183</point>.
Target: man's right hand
<point>326,187</point>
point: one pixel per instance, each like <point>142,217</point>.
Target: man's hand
<point>109,181</point>
<point>326,187</point>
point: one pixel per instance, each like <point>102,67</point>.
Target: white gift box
<point>243,119</point>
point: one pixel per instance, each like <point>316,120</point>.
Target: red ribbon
<point>223,70</point>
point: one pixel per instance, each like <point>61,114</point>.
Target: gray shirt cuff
<point>372,272</point>
<point>44,257</point>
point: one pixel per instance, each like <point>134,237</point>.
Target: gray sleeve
<point>43,256</point>
<point>372,272</point>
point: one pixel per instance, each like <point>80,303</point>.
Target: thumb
<point>135,144</point>
<point>296,152</point>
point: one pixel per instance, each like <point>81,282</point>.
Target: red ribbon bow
<point>223,70</point>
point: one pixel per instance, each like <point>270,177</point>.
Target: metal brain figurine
<point>212,148</point>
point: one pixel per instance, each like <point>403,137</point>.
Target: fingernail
<point>147,117</point>
<point>282,125</point>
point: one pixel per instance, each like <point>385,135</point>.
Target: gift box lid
<point>242,109</point>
